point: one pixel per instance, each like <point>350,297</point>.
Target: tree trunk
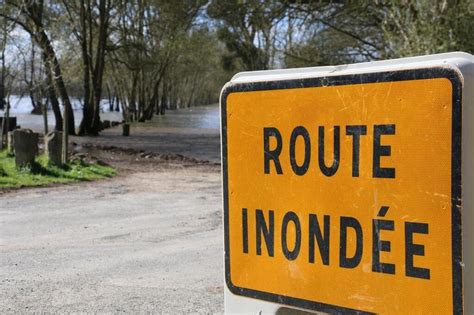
<point>37,103</point>
<point>52,96</point>
<point>132,99</point>
<point>45,117</point>
<point>45,44</point>
<point>110,97</point>
<point>164,97</point>
<point>3,74</point>
<point>117,104</point>
<point>148,112</point>
<point>98,75</point>
<point>93,71</point>
<point>87,112</point>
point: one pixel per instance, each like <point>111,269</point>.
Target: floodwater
<point>191,132</point>
<point>21,108</point>
<point>35,122</point>
<point>202,117</point>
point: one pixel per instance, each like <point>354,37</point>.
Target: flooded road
<point>192,132</point>
<point>21,108</point>
<point>203,117</point>
<point>36,123</point>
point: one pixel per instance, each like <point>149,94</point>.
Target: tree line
<point>147,56</point>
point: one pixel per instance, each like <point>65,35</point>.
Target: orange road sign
<point>343,193</point>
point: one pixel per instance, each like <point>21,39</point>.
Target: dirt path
<point>147,240</point>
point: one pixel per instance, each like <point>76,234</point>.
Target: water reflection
<point>202,117</point>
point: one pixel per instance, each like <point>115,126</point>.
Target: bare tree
<point>91,20</point>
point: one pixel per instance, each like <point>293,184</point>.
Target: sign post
<point>348,189</point>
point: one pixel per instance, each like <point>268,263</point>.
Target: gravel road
<point>148,240</point>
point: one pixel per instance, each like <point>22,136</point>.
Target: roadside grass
<point>42,173</point>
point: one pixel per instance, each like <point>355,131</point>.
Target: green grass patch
<point>43,173</point>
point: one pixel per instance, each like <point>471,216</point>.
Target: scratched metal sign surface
<point>342,194</point>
